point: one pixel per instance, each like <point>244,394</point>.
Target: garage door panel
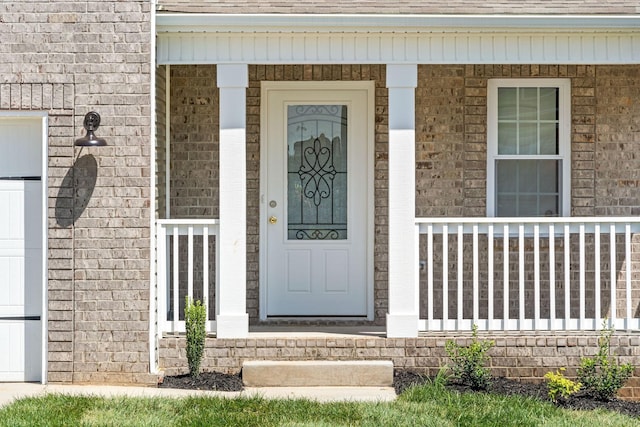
<point>11,210</point>
<point>21,359</point>
<point>12,297</point>
<point>32,214</point>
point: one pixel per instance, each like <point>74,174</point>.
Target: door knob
<point>273,219</point>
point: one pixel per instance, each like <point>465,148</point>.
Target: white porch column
<point>232,318</point>
<point>402,319</point>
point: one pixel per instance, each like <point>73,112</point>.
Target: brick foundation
<point>523,356</point>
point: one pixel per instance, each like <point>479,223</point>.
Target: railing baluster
<point>205,273</point>
<point>430,277</point>
<point>627,256</point>
<point>476,303</point>
<point>460,276</point>
<point>505,270</point>
<point>567,276</point>
<point>163,269</point>
<point>521,276</point>
<point>176,278</point>
<point>490,262</point>
<point>552,278</point>
<point>596,242</point>
<point>445,276</point>
<point>613,274</point>
<point>536,277</point>
<point>190,262</point>
<point>582,276</point>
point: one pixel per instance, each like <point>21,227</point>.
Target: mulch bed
<point>205,381</point>
<point>405,379</point>
<point>504,386</point>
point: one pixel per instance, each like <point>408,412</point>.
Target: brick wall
<point>67,58</point>
<point>524,356</point>
<point>194,142</point>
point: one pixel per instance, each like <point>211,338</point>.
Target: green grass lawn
<point>428,405</point>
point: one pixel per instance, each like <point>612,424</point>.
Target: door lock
<point>273,219</point>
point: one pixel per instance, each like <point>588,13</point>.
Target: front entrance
<point>21,249</point>
<point>317,199</point>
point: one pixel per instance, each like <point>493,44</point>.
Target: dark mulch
<point>205,381</point>
<point>504,386</point>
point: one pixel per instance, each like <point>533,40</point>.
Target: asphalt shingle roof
<point>413,7</point>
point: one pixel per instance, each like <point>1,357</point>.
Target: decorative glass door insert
<point>317,172</point>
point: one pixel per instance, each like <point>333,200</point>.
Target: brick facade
<point>67,58</point>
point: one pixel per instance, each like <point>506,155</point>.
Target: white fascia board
<point>252,23</point>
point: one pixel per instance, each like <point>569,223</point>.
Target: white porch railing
<point>180,258</point>
<point>560,274</point>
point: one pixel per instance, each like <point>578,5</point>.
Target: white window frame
<point>564,136</point>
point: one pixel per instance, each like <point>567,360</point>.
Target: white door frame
<point>267,87</point>
<point>44,120</point>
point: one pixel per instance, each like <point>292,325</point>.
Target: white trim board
<point>371,38</point>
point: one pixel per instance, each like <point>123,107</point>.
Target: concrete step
<point>311,373</point>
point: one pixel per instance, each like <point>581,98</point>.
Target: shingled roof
<point>404,7</point>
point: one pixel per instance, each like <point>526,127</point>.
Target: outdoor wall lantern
<point>91,123</point>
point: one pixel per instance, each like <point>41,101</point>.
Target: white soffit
<point>387,39</point>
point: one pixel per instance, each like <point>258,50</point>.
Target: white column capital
<point>402,75</point>
<point>232,75</point>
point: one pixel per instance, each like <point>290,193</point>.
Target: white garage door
<point>20,249</point>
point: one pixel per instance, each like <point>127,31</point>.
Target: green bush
<point>195,317</point>
<point>558,384</point>
<point>601,375</point>
<point>467,362</point>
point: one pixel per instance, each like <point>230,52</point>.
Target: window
<point>528,147</point>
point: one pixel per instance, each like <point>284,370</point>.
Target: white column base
<point>232,326</point>
<point>402,325</point>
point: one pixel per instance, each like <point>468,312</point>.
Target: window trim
<point>564,136</point>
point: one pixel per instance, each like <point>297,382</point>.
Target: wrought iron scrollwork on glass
<point>317,172</point>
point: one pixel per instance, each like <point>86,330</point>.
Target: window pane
<point>506,171</point>
<point>549,103</point>
<point>506,205</point>
<point>507,103</point>
<point>527,176</point>
<point>549,179</point>
<point>528,138</point>
<point>528,205</point>
<point>528,187</point>
<point>549,205</point>
<point>548,138</point>
<point>507,138</point>
<point>528,103</point>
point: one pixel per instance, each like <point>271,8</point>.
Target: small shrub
<point>558,384</point>
<point>601,375</point>
<point>195,317</point>
<point>467,362</point>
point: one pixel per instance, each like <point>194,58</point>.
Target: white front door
<point>20,249</point>
<point>316,215</point>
